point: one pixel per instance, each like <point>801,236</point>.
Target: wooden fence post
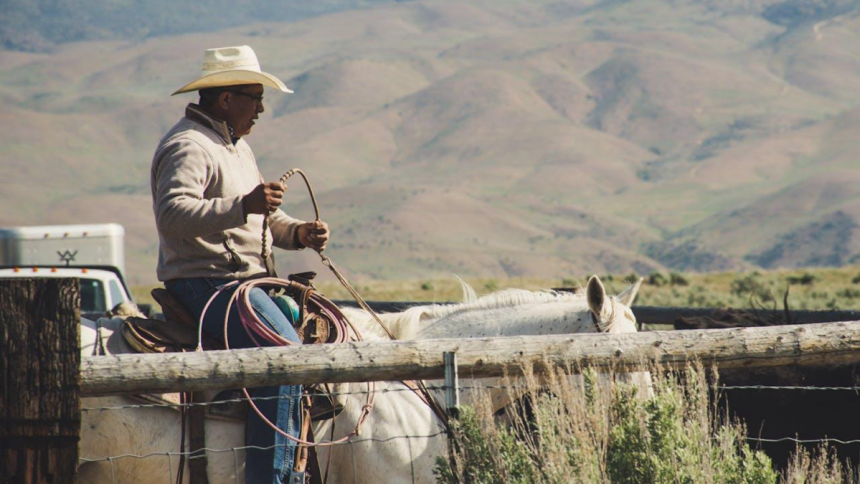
<point>40,407</point>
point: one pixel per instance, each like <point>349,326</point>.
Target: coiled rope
<point>256,328</point>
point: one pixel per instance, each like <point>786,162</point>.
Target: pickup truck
<point>92,253</point>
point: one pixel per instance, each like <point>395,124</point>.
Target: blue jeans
<point>274,462</point>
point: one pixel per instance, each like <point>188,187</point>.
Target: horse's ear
<point>596,295</point>
<point>629,295</point>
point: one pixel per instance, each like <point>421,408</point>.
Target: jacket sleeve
<point>285,230</point>
<point>183,170</point>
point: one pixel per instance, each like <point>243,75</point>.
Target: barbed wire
<point>254,447</point>
<point>348,393</point>
<point>442,388</point>
<point>785,387</point>
<point>824,440</point>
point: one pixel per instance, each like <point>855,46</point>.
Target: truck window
<point>116,294</point>
<point>92,296</point>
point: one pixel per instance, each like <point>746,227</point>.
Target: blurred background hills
<point>485,137</point>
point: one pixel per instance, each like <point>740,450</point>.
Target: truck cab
<point>92,253</point>
<point>101,289</point>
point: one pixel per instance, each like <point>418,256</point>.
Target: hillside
<point>38,25</point>
<point>486,138</point>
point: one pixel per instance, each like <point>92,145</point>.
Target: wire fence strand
<point>804,441</point>
<point>442,388</point>
<point>110,459</point>
<point>786,387</point>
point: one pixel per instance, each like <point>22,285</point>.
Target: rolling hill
<point>512,138</point>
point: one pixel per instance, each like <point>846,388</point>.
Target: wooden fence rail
<point>423,359</point>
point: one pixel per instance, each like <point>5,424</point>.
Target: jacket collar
<point>199,116</point>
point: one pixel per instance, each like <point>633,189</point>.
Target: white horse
<point>516,312</point>
<point>380,453</point>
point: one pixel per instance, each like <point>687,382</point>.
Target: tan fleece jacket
<point>198,180</point>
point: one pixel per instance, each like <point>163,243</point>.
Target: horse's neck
<point>559,317</point>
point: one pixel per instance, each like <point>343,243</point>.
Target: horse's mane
<point>406,324</point>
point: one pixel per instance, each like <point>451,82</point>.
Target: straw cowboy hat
<point>232,66</point>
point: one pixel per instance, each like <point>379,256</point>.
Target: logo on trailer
<point>67,256</point>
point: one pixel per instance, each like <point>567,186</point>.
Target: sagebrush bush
<point>806,279</point>
<point>751,286</point>
<point>657,279</point>
<point>585,430</point>
<point>677,279</point>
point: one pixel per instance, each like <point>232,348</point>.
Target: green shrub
<point>427,286</point>
<point>657,279</point>
<point>856,279</point>
<point>596,433</point>
<point>491,455</point>
<point>631,278</point>
<point>677,279</point>
<point>751,286</point>
<point>806,279</point>
<point>848,293</point>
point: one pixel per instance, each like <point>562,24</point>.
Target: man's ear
<point>224,99</point>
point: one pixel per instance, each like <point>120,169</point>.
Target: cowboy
<point>210,201</point>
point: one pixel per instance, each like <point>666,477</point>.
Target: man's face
<point>243,107</point>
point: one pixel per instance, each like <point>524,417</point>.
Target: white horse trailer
<point>93,253</point>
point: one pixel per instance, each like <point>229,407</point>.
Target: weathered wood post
<point>40,409</point>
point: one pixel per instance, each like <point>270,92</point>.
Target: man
<point>210,201</point>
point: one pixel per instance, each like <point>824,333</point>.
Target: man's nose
<point>260,107</point>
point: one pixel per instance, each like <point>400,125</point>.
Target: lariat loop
<point>266,253</point>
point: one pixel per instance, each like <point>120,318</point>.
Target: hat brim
<point>236,77</point>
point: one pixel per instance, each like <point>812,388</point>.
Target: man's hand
<point>314,235</point>
<point>265,198</point>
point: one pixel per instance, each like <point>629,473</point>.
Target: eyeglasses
<point>259,98</point>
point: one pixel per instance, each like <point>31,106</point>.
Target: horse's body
<point>396,414</point>
<point>379,454</point>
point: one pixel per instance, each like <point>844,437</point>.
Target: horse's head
<point>611,314</point>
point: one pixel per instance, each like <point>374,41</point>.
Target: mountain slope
<point>485,138</point>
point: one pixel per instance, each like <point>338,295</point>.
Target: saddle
<point>315,324</point>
